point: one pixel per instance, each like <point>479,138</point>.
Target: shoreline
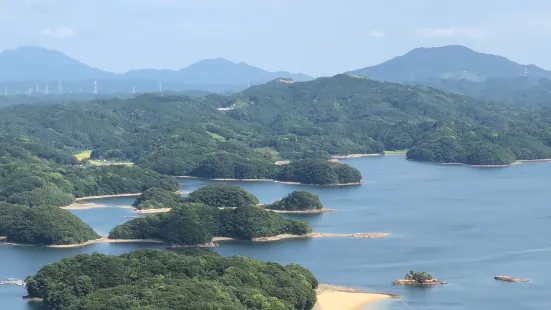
<point>313,211</point>
<point>265,180</point>
<point>213,242</point>
<point>108,196</point>
<point>331,297</point>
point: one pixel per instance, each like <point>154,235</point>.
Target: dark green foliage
<point>149,279</point>
<point>180,135</point>
<point>418,277</point>
<point>157,198</point>
<point>223,195</point>
<point>46,225</point>
<point>252,222</point>
<point>192,223</point>
<point>227,166</point>
<point>296,201</point>
<point>319,172</point>
<point>31,180</point>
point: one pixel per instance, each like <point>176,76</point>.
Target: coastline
<point>265,180</point>
<point>331,297</point>
<point>209,244</point>
<point>108,196</point>
<point>313,211</point>
<point>350,156</point>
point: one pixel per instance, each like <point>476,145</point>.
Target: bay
<point>464,225</point>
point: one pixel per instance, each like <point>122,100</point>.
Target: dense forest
<point>37,175</point>
<point>297,201</point>
<point>320,172</point>
<point>157,198</point>
<point>42,226</point>
<point>194,223</point>
<point>223,195</point>
<point>165,280</point>
<point>242,135</point>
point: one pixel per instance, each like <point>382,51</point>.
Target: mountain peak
<point>446,62</point>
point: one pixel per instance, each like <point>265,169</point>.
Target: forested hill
<point>522,90</point>
<point>448,62</point>
<point>242,135</point>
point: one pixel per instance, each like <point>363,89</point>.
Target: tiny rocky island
<point>418,278</point>
<point>510,279</point>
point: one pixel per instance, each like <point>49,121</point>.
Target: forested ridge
<point>196,224</point>
<point>165,280</point>
<point>43,226</point>
<point>179,135</point>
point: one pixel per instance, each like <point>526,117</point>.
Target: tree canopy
<point>165,280</point>
<point>43,226</point>
<point>193,224</point>
<point>223,195</point>
<point>296,201</point>
<point>157,198</point>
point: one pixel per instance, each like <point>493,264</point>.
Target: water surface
<point>464,225</point>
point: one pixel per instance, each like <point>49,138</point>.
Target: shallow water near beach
<point>463,225</point>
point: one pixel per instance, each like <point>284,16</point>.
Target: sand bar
<point>354,156</point>
<point>91,205</point>
<point>153,211</point>
<point>108,196</point>
<point>105,240</point>
<point>343,298</point>
<point>314,235</point>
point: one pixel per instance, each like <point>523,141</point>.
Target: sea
<point>463,225</point>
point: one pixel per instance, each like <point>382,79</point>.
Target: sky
<point>315,37</point>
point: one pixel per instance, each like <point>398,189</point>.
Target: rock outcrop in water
<point>418,278</point>
<point>509,279</point>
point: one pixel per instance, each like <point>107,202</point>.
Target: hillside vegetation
<point>195,224</point>
<point>42,226</point>
<point>167,280</point>
<point>179,135</point>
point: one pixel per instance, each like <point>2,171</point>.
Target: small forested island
<point>418,278</point>
<point>196,224</point>
<point>319,172</point>
<point>157,198</point>
<point>165,280</point>
<point>223,195</point>
<point>297,201</point>
<point>42,226</point>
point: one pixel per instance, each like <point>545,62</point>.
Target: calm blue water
<point>463,225</point>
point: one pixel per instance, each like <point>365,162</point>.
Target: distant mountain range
<point>454,62</point>
<point>30,64</point>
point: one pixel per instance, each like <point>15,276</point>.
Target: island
<point>298,202</point>
<point>223,195</point>
<point>157,198</point>
<point>509,279</point>
<point>319,172</point>
<point>195,224</point>
<point>418,279</point>
<point>42,226</point>
<point>154,279</point>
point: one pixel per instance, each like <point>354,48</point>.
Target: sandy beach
<point>316,235</point>
<point>354,156</point>
<point>313,211</point>
<point>153,211</point>
<point>108,196</point>
<point>308,236</point>
<point>344,298</point>
<point>91,205</point>
<point>106,240</point>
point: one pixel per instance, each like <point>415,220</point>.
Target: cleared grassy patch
<point>216,136</point>
<point>396,152</point>
<point>83,155</point>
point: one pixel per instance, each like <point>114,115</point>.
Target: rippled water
<point>463,225</point>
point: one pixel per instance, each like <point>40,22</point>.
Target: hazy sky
<point>316,37</point>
